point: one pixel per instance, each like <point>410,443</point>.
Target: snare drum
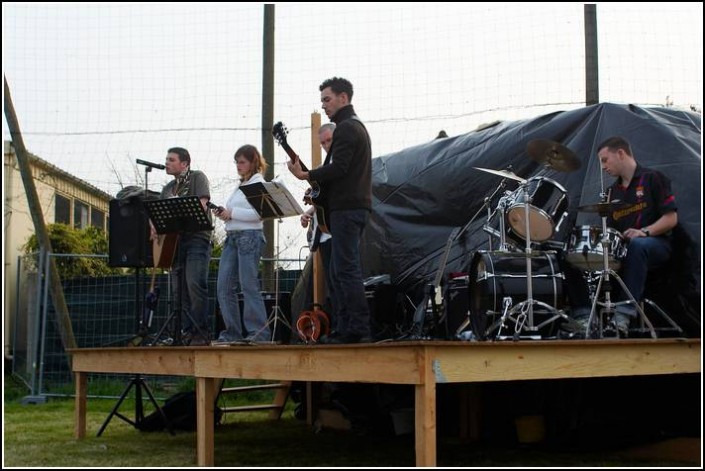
<point>585,248</point>
<point>497,275</point>
<point>547,208</point>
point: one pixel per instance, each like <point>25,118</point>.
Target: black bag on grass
<point>180,411</point>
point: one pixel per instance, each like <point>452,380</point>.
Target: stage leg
<point>80,404</point>
<point>426,413</point>
<point>205,420</point>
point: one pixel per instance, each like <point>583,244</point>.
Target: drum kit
<point>529,215</point>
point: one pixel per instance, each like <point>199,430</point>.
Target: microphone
<point>150,164</point>
<point>215,207</point>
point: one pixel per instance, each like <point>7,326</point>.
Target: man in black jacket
<point>345,181</point>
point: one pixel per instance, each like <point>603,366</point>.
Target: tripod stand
<point>608,308</point>
<point>174,318</point>
<point>276,315</point>
<point>138,383</point>
<point>174,217</point>
<point>272,200</point>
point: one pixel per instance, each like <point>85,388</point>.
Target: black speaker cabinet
<point>128,240</point>
<point>383,302</point>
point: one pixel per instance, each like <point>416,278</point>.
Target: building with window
<point>63,199</point>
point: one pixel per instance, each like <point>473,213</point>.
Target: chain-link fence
<point>108,311</point>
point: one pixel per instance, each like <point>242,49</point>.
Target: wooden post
<point>35,209</point>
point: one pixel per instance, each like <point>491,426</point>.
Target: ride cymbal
<point>603,207</point>
<point>503,173</point>
<point>553,154</point>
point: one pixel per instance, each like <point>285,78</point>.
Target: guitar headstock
<point>279,132</point>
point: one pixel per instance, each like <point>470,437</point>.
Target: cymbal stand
<point>522,314</point>
<point>502,208</point>
<point>429,310</point>
<point>607,307</point>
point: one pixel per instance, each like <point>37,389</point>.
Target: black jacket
<point>345,177</point>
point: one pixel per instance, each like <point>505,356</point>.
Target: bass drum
<point>495,276</point>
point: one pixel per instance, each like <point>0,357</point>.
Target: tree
<point>66,240</point>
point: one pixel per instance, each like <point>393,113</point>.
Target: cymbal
<point>553,154</point>
<point>503,173</point>
<point>603,207</point>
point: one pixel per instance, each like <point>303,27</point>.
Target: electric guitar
<point>314,195</point>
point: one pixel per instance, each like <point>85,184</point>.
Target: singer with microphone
<point>150,165</point>
<point>193,251</point>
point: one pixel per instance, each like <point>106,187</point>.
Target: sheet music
<point>271,199</point>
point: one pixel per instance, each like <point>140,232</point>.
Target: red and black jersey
<point>649,197</point>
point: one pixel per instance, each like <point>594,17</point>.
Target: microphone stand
<point>433,298</point>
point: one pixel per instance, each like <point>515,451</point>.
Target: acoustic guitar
<point>164,249</point>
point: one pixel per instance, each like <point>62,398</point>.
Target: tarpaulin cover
<point>421,194</point>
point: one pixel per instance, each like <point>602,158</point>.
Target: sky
<point>96,86</point>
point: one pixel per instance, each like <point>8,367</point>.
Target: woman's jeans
<point>238,271</point>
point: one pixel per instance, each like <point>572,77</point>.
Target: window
<point>98,218</point>
<point>62,210</point>
<point>80,215</point>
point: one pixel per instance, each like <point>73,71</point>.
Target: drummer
<point>645,221</point>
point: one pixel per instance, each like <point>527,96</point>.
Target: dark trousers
<point>351,310</point>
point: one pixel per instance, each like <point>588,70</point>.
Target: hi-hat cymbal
<point>553,154</point>
<point>603,207</point>
<point>503,173</point>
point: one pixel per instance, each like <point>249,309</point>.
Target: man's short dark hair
<point>183,154</point>
<point>615,143</point>
<point>338,85</point>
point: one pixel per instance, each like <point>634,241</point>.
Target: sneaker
<point>199,341</point>
<point>578,325</point>
<point>220,341</point>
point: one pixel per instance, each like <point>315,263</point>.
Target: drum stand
<point>502,208</point>
<point>431,312</point>
<point>522,314</point>
<point>607,307</point>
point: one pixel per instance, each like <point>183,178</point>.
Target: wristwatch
<point>646,231</point>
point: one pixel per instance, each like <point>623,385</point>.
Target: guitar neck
<point>292,155</point>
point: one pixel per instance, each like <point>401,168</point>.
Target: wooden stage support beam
<point>423,364</point>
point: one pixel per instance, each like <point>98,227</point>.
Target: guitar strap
<point>316,239</point>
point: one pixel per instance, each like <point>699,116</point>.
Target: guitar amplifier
<point>383,301</point>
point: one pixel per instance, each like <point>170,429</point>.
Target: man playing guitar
<point>348,171</point>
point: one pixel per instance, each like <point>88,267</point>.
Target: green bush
<point>66,240</point>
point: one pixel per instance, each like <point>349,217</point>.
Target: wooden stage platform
<point>423,364</point>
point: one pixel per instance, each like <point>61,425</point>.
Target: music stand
<point>272,200</point>
<point>178,215</point>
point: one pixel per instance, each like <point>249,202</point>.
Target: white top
<point>244,217</point>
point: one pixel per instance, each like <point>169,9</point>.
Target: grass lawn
<point>42,436</point>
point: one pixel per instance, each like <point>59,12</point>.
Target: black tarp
<point>421,194</point>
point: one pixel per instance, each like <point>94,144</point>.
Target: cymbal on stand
<point>502,173</point>
<point>603,208</point>
<point>553,154</point>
